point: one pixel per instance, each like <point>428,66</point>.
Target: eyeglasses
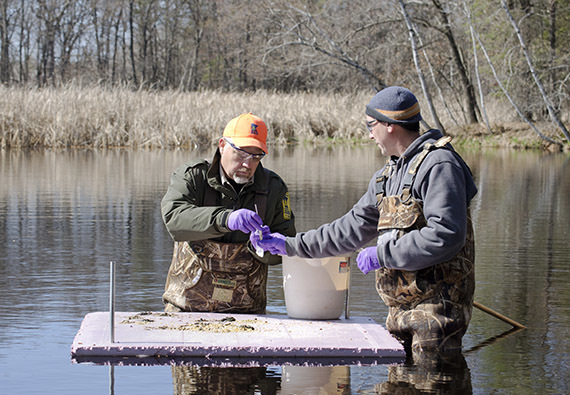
<point>370,124</point>
<point>243,154</point>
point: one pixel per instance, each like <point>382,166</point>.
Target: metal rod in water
<point>112,300</point>
<point>111,380</point>
<point>347,301</point>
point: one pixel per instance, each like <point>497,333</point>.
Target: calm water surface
<point>65,214</point>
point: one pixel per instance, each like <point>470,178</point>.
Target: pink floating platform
<point>223,339</point>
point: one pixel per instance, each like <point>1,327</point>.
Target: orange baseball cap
<point>247,130</point>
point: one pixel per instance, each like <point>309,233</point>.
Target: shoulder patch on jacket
<point>286,207</point>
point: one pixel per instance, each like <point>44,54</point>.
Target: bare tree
<point>198,17</point>
<point>7,12</point>
<point>132,41</point>
<point>170,19</point>
<point>299,27</point>
<point>71,28</point>
<point>50,13</point>
<point>117,27</point>
<point>146,22</point>
<point>476,67</point>
<point>506,92</point>
<point>551,111</point>
<point>443,13</point>
<point>427,95</point>
<point>106,17</point>
<point>552,41</point>
<point>24,41</point>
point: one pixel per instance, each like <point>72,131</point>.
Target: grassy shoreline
<point>95,117</point>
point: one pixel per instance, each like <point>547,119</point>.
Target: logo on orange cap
<point>253,128</point>
<point>247,130</point>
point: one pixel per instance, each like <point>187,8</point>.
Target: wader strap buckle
<point>380,187</point>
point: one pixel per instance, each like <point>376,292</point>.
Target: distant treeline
<point>465,49</point>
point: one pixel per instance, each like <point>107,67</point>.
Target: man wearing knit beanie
<point>397,107</point>
<point>416,211</point>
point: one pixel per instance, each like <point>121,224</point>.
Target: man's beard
<point>241,180</point>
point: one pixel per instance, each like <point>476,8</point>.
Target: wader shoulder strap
<point>212,197</point>
<point>417,161</point>
<point>380,187</point>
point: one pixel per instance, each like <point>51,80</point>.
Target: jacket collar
<point>218,180</point>
<point>413,149</point>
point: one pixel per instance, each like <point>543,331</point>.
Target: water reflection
<point>315,380</point>
<point>493,339</point>
<point>230,380</point>
<point>65,214</point>
<point>443,374</point>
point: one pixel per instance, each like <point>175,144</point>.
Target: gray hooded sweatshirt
<point>444,185</point>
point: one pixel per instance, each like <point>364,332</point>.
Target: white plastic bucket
<point>315,288</point>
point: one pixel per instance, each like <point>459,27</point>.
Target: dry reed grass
<point>96,117</point>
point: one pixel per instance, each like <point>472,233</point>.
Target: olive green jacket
<point>187,219</point>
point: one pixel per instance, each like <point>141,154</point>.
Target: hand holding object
<point>244,220</point>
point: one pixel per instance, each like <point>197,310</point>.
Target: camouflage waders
<point>430,309</point>
<point>211,276</point>
<point>219,277</point>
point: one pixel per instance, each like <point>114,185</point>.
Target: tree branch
<point>551,111</point>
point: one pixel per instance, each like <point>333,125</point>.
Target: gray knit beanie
<point>394,105</point>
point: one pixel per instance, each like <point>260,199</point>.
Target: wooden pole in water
<point>498,315</point>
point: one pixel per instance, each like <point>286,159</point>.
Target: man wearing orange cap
<point>210,209</point>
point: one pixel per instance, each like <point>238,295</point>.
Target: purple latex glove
<point>244,220</point>
<point>258,235</point>
<point>274,243</point>
<point>367,260</point>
